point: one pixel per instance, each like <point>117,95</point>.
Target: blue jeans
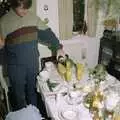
<point>23,84</point>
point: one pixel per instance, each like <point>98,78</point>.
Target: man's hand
<point>60,52</point>
<point>2,42</point>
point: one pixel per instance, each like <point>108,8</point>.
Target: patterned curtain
<point>4,7</point>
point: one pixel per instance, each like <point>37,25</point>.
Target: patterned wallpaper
<point>4,7</point>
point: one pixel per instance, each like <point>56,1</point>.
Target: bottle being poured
<point>65,67</point>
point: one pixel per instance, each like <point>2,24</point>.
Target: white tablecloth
<point>55,102</point>
<point>55,108</point>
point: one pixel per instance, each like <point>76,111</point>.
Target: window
<point>78,16</point>
<point>71,18</point>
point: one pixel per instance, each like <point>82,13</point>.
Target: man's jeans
<point>23,84</point>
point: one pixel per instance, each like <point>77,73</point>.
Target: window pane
<point>78,14</point>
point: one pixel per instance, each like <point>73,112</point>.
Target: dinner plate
<point>73,101</point>
<point>69,114</point>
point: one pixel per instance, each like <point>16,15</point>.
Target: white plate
<point>74,101</point>
<point>69,114</point>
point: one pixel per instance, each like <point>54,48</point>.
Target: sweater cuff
<point>55,48</point>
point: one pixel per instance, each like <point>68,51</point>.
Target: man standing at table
<point>20,31</point>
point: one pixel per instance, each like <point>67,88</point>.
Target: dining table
<point>65,101</point>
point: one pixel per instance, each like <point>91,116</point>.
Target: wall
<point>74,48</point>
<point>51,13</point>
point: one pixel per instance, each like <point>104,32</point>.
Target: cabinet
<point>106,48</point>
<point>109,52</point>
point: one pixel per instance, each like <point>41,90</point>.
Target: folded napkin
<point>44,75</point>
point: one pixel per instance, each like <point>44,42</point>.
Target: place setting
<point>68,114</point>
<point>84,94</point>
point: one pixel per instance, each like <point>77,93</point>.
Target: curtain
<point>65,8</point>
<point>102,12</point>
<point>92,15</point>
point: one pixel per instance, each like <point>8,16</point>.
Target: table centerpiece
<point>101,103</point>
